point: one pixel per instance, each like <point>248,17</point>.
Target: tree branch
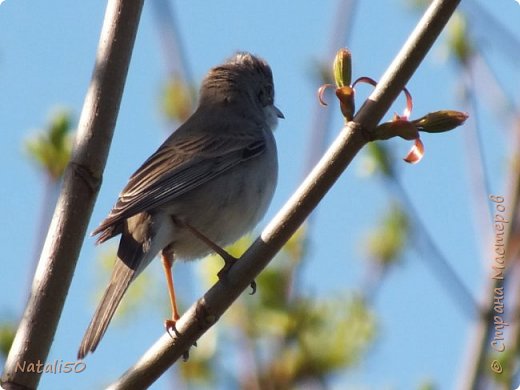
<point>79,191</point>
<point>206,311</point>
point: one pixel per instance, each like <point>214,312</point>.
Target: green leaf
<point>51,149</point>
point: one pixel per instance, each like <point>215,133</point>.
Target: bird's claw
<point>229,261</point>
<point>253,288</point>
<point>169,325</point>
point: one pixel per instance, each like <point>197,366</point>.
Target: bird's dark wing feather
<point>174,169</point>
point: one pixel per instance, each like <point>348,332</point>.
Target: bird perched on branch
<point>207,185</point>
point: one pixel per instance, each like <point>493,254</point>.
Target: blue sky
<point>47,53</point>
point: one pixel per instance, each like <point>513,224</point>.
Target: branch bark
<point>206,311</point>
<point>79,191</point>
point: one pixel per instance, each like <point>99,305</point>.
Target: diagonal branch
<point>475,370</point>
<point>206,311</point>
<point>79,191</point>
<point>436,259</point>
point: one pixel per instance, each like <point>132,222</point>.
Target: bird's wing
<point>176,168</point>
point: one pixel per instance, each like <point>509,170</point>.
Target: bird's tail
<point>136,250</point>
<point>119,282</point>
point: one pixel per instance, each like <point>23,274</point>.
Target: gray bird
<point>206,186</point>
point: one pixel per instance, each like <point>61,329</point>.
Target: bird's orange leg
<point>167,262</point>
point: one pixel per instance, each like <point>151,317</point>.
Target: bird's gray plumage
<point>217,172</point>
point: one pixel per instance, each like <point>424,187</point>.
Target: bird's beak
<point>279,113</point>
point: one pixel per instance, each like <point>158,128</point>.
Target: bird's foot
<point>169,325</point>
<point>229,261</point>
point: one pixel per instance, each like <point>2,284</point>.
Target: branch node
<point>204,314</point>
<point>368,135</point>
<point>86,175</point>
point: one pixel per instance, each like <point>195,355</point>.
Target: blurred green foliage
<point>427,385</point>
<point>177,102</point>
<point>51,148</point>
<point>7,332</point>
<point>386,242</point>
<point>506,361</point>
<point>378,159</point>
<point>290,338</point>
<point>458,41</point>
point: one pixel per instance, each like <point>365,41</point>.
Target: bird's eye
<point>269,90</point>
<point>263,98</point>
<point>265,95</point>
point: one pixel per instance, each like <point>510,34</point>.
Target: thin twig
<point>79,191</point>
<point>170,40</point>
<point>438,261</point>
<point>207,310</point>
<point>321,119</point>
<point>431,254</point>
<point>49,198</point>
<point>471,377</point>
<point>476,158</point>
<point>490,31</point>
<point>473,372</point>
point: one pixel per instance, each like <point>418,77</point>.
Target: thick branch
<point>206,311</point>
<point>80,187</point>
